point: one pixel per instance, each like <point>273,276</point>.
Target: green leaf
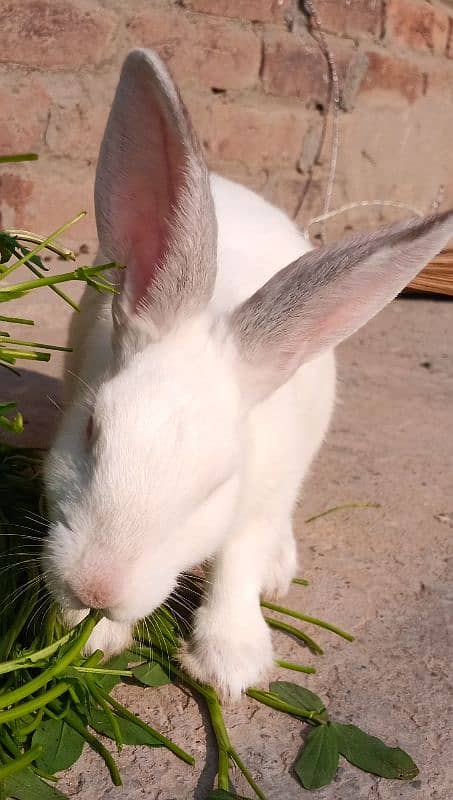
<point>298,696</point>
<point>5,407</point>
<point>151,674</point>
<point>131,733</point>
<point>318,763</point>
<point>79,690</point>
<point>62,745</point>
<point>13,424</point>
<point>26,785</point>
<point>372,755</point>
<point>109,681</point>
<point>222,794</point>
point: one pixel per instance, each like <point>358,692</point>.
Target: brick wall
<point>256,84</point>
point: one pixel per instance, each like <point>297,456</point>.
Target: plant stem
<point>43,244</point>
<point>18,157</point>
<point>35,723</point>
<point>341,508</point>
<point>296,667</point>
<point>125,673</point>
<point>17,320</point>
<point>30,659</point>
<point>305,618</point>
<point>282,626</point>
<point>269,699</point>
<point>20,763</point>
<point>113,720</point>
<point>8,340</point>
<point>28,236</point>
<point>248,777</point>
<point>38,274</point>
<point>13,696</point>
<point>7,353</point>
<point>223,769</point>
<point>94,659</point>
<point>74,722</point>
<point>124,712</point>
<point>300,581</point>
<point>224,745</point>
<point>79,274</point>
<point>34,704</point>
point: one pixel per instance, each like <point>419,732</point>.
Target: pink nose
<point>98,593</point>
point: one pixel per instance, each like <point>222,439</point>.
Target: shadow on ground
<point>38,397</point>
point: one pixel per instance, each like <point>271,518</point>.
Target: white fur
<point>189,432</point>
<point>186,464</point>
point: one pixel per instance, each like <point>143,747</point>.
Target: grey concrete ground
<point>385,574</point>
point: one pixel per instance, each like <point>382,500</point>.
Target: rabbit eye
<point>89,428</point>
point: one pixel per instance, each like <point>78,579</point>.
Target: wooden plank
<point>437,277</point>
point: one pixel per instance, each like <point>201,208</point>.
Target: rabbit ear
<point>316,302</point>
<point>154,209</point>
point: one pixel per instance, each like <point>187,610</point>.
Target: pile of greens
<point>53,699</point>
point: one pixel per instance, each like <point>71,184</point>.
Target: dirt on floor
<point>383,573</point>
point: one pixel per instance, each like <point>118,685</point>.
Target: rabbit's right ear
<point>327,294</point>
<point>154,209</point>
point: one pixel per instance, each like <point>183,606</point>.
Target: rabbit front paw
<point>110,637</point>
<point>282,568</point>
<point>228,656</point>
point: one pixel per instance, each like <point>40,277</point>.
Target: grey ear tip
<point>142,56</point>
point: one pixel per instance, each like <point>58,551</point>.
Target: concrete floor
<point>385,574</point>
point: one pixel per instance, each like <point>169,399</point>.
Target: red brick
<point>254,10</point>
<point>24,112</point>
<point>350,18</point>
<point>417,25</point>
<point>51,194</point>
<point>450,39</point>
<point>261,133</point>
<point>15,192</point>
<point>393,75</point>
<point>202,50</point>
<point>77,117</point>
<point>310,147</point>
<point>294,66</point>
<point>55,33</point>
<point>439,82</point>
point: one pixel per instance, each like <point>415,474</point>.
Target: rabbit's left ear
<point>327,294</point>
<point>154,209</point>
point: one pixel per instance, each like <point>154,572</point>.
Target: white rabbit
<point>198,398</point>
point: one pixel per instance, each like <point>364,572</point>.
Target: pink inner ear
<point>143,206</point>
<point>147,237</point>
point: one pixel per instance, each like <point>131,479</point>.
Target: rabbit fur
<point>196,398</point>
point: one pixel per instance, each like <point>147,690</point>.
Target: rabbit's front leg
<point>231,646</point>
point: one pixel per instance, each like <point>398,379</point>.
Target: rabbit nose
<point>94,594</point>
